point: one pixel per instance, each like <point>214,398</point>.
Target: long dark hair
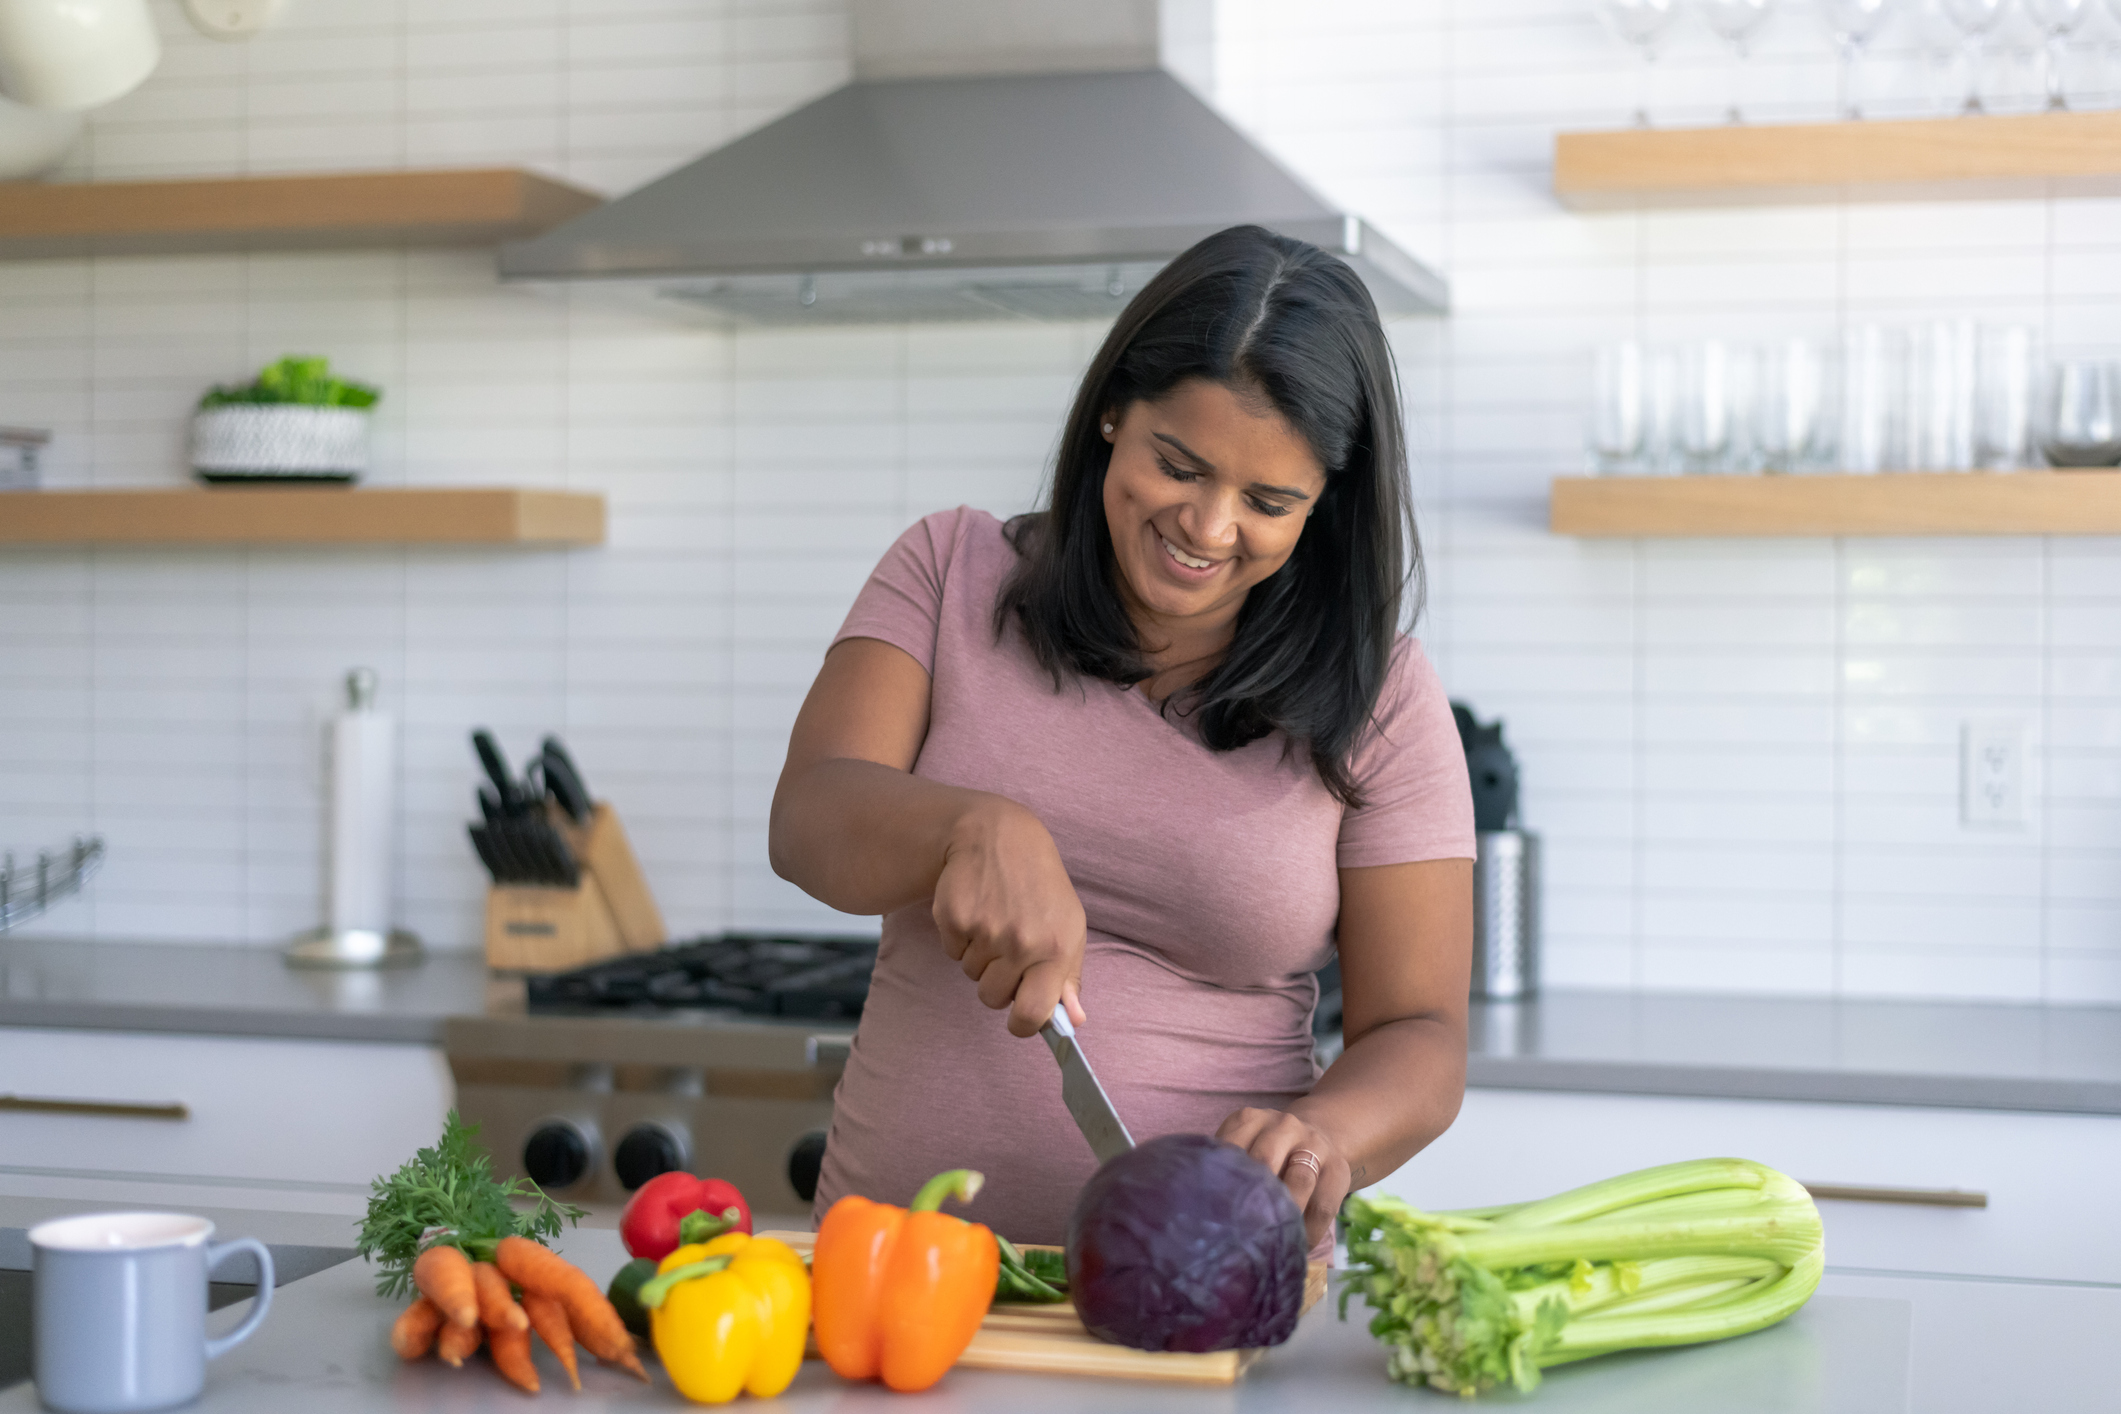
<point>1271,317</point>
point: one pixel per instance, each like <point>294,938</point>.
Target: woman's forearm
<point>1391,1092</point>
<point>867,838</point>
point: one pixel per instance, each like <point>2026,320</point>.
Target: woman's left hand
<point>1272,1137</point>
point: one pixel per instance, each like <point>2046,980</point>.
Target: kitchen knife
<point>565,782</point>
<point>489,806</point>
<point>497,771</point>
<point>481,842</point>
<point>1085,1098</point>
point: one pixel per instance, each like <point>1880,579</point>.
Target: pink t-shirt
<point>1209,879</point>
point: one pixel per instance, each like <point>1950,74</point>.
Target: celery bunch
<point>1667,1256</point>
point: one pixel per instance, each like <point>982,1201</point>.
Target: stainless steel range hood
<point>993,159</point>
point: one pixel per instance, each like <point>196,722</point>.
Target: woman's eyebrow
<point>1202,462</point>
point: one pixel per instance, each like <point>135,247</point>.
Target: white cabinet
<point>258,1110</point>
<point>2049,1178</point>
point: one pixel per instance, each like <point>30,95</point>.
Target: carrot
<point>455,1343</point>
<point>510,1349</point>
<point>497,1308</point>
<point>549,1319</point>
<point>443,1275</point>
<point>589,1313</point>
<point>413,1333</point>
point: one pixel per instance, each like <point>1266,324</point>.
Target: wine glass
<point>1736,22</point>
<point>1975,20</point>
<point>1855,23</point>
<point>2080,415</point>
<point>1640,24</point>
<point>2056,21</point>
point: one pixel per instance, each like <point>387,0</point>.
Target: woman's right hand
<point>1009,915</point>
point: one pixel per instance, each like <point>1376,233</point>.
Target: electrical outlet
<point>1992,772</point>
<point>230,19</point>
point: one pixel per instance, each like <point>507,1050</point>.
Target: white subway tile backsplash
<point>1743,755</point>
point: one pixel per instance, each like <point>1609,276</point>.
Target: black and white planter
<point>279,442</point>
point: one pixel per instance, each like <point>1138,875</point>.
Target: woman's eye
<point>1268,508</point>
<point>1175,473</point>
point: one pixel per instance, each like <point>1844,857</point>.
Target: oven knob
<point>805,1162</point>
<point>647,1150</point>
<point>557,1154</point>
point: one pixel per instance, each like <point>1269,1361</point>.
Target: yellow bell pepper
<point>729,1315</point>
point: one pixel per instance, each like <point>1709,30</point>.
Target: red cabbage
<point>1187,1243</point>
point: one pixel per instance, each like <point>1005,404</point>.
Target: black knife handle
<point>564,780</point>
<point>496,770</point>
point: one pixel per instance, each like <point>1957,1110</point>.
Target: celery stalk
<point>1673,1255</point>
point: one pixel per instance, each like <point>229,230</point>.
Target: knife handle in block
<point>548,928</point>
<point>605,854</point>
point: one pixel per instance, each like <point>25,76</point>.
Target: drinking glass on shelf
<point>1736,22</point>
<point>1974,20</point>
<point>2056,20</point>
<point>1639,24</point>
<point>1940,395</point>
<point>1619,404</point>
<point>1789,423</point>
<point>1854,23</point>
<point>1873,379</point>
<point>2080,414</point>
<point>1712,407</point>
<point>2003,398</point>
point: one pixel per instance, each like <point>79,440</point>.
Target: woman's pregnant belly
<point>936,1081</point>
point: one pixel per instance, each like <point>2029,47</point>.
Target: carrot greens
<point>447,1194</point>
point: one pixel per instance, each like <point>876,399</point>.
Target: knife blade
<point>1085,1098</point>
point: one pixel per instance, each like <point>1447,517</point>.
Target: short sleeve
<point>1411,771</point>
<point>902,603</point>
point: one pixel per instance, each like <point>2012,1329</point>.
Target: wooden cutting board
<point>1050,1339</point>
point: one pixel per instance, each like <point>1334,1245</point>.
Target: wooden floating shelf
<point>1906,503</point>
<point>2022,155</point>
<point>302,515</point>
<point>479,206</point>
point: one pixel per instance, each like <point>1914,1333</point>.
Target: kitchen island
<point>1864,1345</point>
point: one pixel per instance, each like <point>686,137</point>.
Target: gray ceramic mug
<point>118,1301</point>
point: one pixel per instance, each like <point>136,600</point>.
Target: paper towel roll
<point>364,772</point>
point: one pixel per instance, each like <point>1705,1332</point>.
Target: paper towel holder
<point>347,949</point>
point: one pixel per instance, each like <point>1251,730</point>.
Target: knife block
<point>607,856</point>
<point>543,928</point>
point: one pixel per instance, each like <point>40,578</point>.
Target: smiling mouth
<point>1182,558</point>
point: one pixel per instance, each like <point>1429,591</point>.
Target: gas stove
<point>716,1057</point>
<point>764,974</point>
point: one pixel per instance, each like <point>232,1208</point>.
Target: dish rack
<point>26,892</point>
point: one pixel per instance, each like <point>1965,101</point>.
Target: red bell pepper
<point>649,1226</point>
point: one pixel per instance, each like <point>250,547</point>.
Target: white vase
<point>75,54</point>
<point>279,441</point>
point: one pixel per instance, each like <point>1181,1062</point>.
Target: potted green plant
<point>293,422</point>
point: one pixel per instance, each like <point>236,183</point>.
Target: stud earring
<point>1108,429</point>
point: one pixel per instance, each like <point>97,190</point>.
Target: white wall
<point>1743,754</point>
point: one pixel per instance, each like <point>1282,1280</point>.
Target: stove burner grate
<point>770,974</point>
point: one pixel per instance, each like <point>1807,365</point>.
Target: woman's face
<point>1205,497</point>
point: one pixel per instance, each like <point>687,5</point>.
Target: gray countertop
<point>2064,1059</point>
<point>1864,1345</point>
<point>237,991</point>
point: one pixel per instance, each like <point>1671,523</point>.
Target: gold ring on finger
<point>1308,1159</point>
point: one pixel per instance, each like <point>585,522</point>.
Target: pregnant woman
<point>1154,754</point>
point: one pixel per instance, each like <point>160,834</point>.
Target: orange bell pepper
<point>898,1293</point>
